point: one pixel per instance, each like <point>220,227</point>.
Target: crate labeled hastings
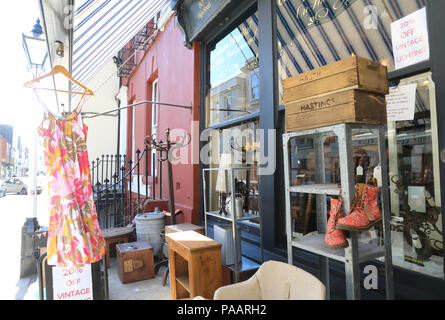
<point>350,106</point>
<point>352,73</point>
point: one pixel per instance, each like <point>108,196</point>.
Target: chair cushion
<point>282,281</point>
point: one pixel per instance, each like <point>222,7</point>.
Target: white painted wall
<point>102,130</point>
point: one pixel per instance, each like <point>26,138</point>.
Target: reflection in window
<point>415,190</point>
<point>315,33</point>
<point>234,74</point>
<point>254,87</point>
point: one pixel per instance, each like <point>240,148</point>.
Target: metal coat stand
<point>357,252</point>
<point>166,148</point>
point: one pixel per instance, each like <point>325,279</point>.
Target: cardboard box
<point>224,235</point>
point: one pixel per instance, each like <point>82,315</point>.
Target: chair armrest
<point>246,290</point>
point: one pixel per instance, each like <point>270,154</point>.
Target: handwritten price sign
<point>410,39</point>
<point>72,283</point>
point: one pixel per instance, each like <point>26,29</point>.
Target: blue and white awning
<point>303,47</point>
<point>103,27</point>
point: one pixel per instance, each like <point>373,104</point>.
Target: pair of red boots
<point>364,214</point>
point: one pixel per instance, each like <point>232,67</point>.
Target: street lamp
<point>35,49</point>
<point>36,53</point>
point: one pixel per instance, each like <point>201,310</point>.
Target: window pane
<point>415,190</point>
<point>234,74</point>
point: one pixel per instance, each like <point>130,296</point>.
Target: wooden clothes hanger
<point>59,70</point>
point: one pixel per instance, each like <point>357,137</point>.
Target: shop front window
<point>234,74</point>
<point>311,34</point>
<point>236,148</point>
<point>415,184</point>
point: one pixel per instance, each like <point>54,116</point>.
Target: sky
<point>229,57</point>
<point>17,104</point>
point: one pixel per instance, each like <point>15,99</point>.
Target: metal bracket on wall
<point>190,107</point>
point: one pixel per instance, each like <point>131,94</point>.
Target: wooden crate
<point>135,261</point>
<point>351,106</point>
<point>352,73</point>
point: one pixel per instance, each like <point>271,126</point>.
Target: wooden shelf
<point>184,281</point>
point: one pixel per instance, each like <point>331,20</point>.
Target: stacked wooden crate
<point>348,91</point>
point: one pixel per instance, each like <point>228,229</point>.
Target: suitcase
<point>135,261</point>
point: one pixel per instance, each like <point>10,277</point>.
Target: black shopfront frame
<point>408,284</point>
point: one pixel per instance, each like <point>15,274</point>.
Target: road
<point>14,209</point>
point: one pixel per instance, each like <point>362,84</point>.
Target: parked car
<point>14,185</point>
<point>2,190</point>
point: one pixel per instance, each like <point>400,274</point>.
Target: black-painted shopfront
<point>248,47</point>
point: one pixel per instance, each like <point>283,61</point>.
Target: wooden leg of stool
<point>164,278</point>
<point>107,252</point>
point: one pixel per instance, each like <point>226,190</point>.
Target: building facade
<point>167,72</point>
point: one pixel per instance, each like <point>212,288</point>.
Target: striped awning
<point>103,27</point>
<point>361,27</point>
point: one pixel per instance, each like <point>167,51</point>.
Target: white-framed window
<point>227,105</point>
<point>254,87</point>
<point>133,134</point>
<point>154,125</point>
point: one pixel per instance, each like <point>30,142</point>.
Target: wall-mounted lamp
<point>117,60</point>
<point>59,48</point>
<point>384,63</point>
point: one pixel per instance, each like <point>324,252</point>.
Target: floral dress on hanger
<point>74,235</point>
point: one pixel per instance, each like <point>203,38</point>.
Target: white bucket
<point>149,227</point>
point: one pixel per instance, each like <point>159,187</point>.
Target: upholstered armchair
<point>275,281</point>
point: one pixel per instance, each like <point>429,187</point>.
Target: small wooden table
<point>180,228</point>
<point>195,265</point>
<point>184,227</point>
<point>114,236</point>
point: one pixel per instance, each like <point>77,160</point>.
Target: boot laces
<point>359,202</point>
<point>333,222</point>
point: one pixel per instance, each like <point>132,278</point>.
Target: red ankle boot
<point>335,239</point>
<point>365,212</point>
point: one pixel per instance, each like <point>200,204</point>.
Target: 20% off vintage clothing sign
<point>72,283</point>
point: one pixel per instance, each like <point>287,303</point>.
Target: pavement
<point>152,289</point>
<point>14,209</point>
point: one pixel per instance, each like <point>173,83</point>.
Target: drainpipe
<point>119,121</point>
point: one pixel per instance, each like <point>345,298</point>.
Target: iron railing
<point>113,182</point>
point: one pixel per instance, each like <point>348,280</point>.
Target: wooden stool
<point>114,236</point>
